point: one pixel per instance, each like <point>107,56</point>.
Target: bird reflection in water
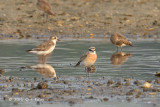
<point>44,69</point>
<point>43,58</point>
<point>119,58</point>
<point>90,69</point>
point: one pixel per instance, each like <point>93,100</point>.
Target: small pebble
<point>110,82</point>
<point>105,99</point>
<point>15,103</point>
<point>38,102</point>
<point>157,81</point>
<point>2,71</point>
<point>147,85</point>
<point>71,102</point>
<point>35,79</point>
<point>137,83</point>
<point>127,79</point>
<point>42,85</point>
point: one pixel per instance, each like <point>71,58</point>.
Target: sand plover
<point>119,40</point>
<point>44,6</point>
<point>88,59</point>
<point>46,47</point>
<point>119,58</point>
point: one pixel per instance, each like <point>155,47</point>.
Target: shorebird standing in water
<point>88,59</point>
<point>120,41</point>
<point>45,7</point>
<point>46,47</point>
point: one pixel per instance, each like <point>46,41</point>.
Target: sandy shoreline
<point>84,18</point>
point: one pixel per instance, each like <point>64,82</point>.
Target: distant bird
<point>44,69</point>
<point>119,58</point>
<point>119,40</point>
<point>45,7</point>
<point>46,47</point>
<point>88,59</point>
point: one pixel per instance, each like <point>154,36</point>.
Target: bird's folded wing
<point>44,46</point>
<point>83,56</point>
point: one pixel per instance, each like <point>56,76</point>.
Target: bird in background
<point>119,40</point>
<point>46,47</point>
<point>88,59</point>
<point>44,6</point>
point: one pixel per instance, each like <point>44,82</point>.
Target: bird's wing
<point>81,59</point>
<point>123,39</point>
<point>44,46</point>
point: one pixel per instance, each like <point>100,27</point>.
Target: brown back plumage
<point>118,39</point>
<point>81,59</point>
<point>43,47</point>
<point>44,6</point>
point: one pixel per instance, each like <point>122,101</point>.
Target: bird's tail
<point>77,64</point>
<point>129,43</point>
<point>50,13</point>
<point>28,50</point>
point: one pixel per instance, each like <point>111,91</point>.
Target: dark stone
<point>42,85</point>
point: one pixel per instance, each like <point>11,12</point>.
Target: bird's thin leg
<point>117,49</point>
<point>46,18</point>
<point>44,59</point>
<point>85,69</point>
<point>88,74</point>
<point>121,49</point>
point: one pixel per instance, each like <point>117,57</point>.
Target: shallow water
<point>139,62</point>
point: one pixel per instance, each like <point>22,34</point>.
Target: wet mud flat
<point>80,18</point>
<point>78,90</point>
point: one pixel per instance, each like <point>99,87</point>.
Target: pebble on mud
<point>127,83</point>
<point>15,103</point>
<point>71,102</point>
<point>137,83</point>
<point>147,85</point>
<point>66,82</point>
<point>105,99</point>
<point>157,81</point>
<point>5,97</point>
<point>42,85</point>
<point>15,90</point>
<point>2,71</point>
<point>35,79</point>
<point>127,79</point>
<point>110,82</point>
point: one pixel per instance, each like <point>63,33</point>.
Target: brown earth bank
<point>80,18</point>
